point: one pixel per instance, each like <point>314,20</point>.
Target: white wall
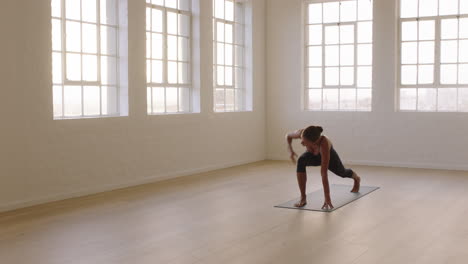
<point>43,160</point>
<point>380,137</point>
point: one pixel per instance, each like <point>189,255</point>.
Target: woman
<point>319,152</point>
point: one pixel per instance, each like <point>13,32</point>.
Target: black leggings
<point>335,165</point>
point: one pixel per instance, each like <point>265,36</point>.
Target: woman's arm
<point>289,137</point>
<point>325,153</point>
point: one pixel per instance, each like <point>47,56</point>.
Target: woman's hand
<point>293,157</point>
<point>327,205</point>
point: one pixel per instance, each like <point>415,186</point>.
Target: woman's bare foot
<point>301,203</point>
<point>357,183</point>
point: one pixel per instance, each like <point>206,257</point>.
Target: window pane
<point>57,99</point>
<point>57,67</point>
<point>72,100</point>
<point>172,72</point>
<point>220,31</point>
<point>409,31</point>
<point>348,99</point>
<point>346,75</point>
<point>347,34</point>
<point>109,103</point>
<point>331,12</point>
<point>229,12</point>
<point>228,76</point>
<point>184,5</point>
<point>315,56</point>
<point>448,7</point>
<point>408,75</point>
<point>56,8</point>
<point>330,99</point>
<point>156,46</point>
<point>447,99</point>
<point>449,51</point>
<point>159,99</point>
<point>172,47</point>
<point>239,56</point>
<point>448,74</point>
<point>331,56</point>
<point>315,99</point>
<point>365,9</point>
<point>364,32</point>
<point>92,102</point>
<point>73,67</point>
<point>220,75</point>
<point>409,8</point>
<point>171,100</point>
<point>463,53</point>
<point>239,78</point>
<point>184,25</point>
<point>332,76</point>
<point>346,55</point>
<point>365,54</point>
<point>364,99</point>
<point>449,29</point>
<point>463,7</point>
<point>364,76</point>
<point>409,53</point>
<point>73,35</point>
<point>108,40</point>
<point>72,9</point>
<point>184,49</point>
<point>331,35</point>
<point>229,55</point>
<point>56,34</point>
<point>427,8</point>
<point>315,77</point>
<point>408,99</point>
<point>463,27</point>
<point>157,21</point>
<point>219,99</point>
<point>184,99</point>
<point>463,74</point>
<point>427,30</point>
<point>229,34</point>
<point>89,10</point>
<point>109,12</point>
<point>426,52</point>
<point>219,8</point>
<point>90,68</point>
<point>426,74</point>
<point>156,71</point>
<point>108,70</point>
<point>171,3</point>
<point>315,35</point>
<point>463,100</point>
<point>90,38</point>
<point>315,13</point>
<point>230,99</point>
<point>220,53</point>
<point>184,76</point>
<point>172,23</point>
<point>348,11</point>
<point>427,99</point>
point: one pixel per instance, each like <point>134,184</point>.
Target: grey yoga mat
<point>340,195</point>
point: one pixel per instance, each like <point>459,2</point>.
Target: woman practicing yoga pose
<point>320,152</point>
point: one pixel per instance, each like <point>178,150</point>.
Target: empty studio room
<point>233,131</point>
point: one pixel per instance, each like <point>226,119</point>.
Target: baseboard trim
<point>111,187</point>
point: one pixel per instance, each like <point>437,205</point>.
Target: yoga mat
<point>340,196</point>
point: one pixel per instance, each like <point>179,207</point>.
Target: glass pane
<point>73,35</point>
<point>220,53</point>
<point>426,74</point>
<point>219,99</point>
<point>148,71</point>
<point>56,67</point>
<point>184,5</point>
<point>220,31</point>
<point>148,19</point>
<point>463,100</point>
<point>172,23</point>
<point>73,67</point>
<point>364,99</point>
<point>348,11</point>
<point>172,74</point>
<point>109,104</point>
<point>409,52</point>
<point>229,12</point>
<point>315,77</point>
<point>56,34</point>
<point>449,7</point>
<point>109,12</point>
<point>332,76</point>
<point>171,100</point>
<point>463,27</point>
<point>239,78</point>
<point>331,56</point>
<point>56,8</point>
<point>315,56</point>
<point>72,100</point>
<point>184,49</point>
<point>229,55</point>
<point>72,9</point>
<point>89,10</point>
<point>90,69</point>
<point>184,76</point>
<point>228,76</point>
<point>108,40</point>
<point>365,9</point>
<point>463,51</point>
<point>159,99</point>
<point>108,70</point>
<point>427,30</point>
<point>408,99</point>
<point>184,100</point>
<point>230,100</point>
<point>220,75</point>
<point>427,8</point>
<point>365,54</point>
<point>315,13</point>
<point>57,99</point>
<point>239,34</point>
<point>347,34</point>
<point>448,74</point>
<point>447,99</point>
<point>239,56</point>
<point>184,25</point>
<point>347,76</point>
<point>156,46</point>
<point>172,47</point>
<point>409,31</point>
<point>409,8</point>
<point>463,74</point>
<point>332,34</point>
<point>408,75</point>
<point>171,3</point>
<point>347,55</point>
<point>315,35</point>
<point>364,76</point>
<point>157,21</point>
<point>449,28</point>
<point>315,99</point>
<point>157,71</point>
<point>89,38</point>
<point>463,7</point>
<point>348,99</point>
<point>92,102</point>
<point>239,97</point>
<point>229,34</point>
<point>331,12</point>
<point>426,52</point>
<point>427,99</point>
<point>330,99</point>
<point>365,32</point>
<point>219,8</point>
<point>449,51</point>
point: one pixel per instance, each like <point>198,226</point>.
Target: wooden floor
<point>227,216</point>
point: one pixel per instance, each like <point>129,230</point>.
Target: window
<point>338,48</point>
<point>229,49</point>
<point>168,56</point>
<point>433,55</point>
<point>87,46</point>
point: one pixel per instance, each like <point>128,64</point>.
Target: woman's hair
<point>312,133</point>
